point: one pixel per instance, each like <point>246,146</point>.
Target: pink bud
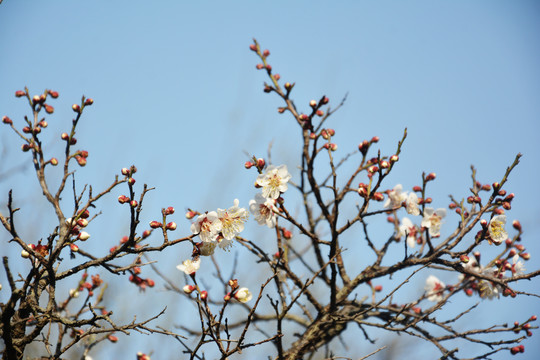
<point>133,203</point>
<point>517,225</point>
<point>73,141</point>
<point>82,222</point>
<point>26,147</point>
<point>259,66</point>
<point>431,176</point>
<point>76,108</point>
<point>204,295</point>
<point>88,102</point>
<point>385,164</point>
<point>464,259</point>
<point>260,163</point>
<point>525,256</point>
<point>253,47</point>
<point>125,171</point>
<point>74,247</point>
<point>20,93</point>
<point>131,181</point>
<point>54,161</point>
<point>155,224</point>
<point>319,112</point>
<point>49,109</point>
<point>35,99</point>
<point>146,233</point>
<point>248,164</point>
<point>171,226</point>
<point>313,103</point>
<point>80,160</point>
<point>64,136</point>
<point>26,130</point>
<point>54,94</point>
<point>333,147</point>
<point>112,338</point>
<point>122,199</point>
<point>7,120</point>
<point>277,77</point>
<point>374,139</point>
<point>266,53</point>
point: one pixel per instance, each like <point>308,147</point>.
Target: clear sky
<point>176,92</point>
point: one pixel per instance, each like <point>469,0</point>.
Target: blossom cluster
<point>273,183</point>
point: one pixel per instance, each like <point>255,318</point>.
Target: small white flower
<point>243,295</point>
<point>232,220</point>
<point>264,210</point>
<point>190,266</point>
<point>412,204</point>
<point>207,226</point>
<point>409,229</point>
<point>396,197</point>
<point>434,288</point>
<point>432,220</point>
<point>518,267</point>
<point>497,233</point>
<point>223,243</point>
<point>274,181</point>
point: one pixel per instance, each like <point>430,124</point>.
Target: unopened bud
<point>7,120</point>
<point>64,136</point>
<point>319,112</point>
<point>49,109</point>
<point>378,196</point>
<point>82,222</point>
<point>25,254</point>
<point>525,256</point>
<point>385,164</point>
<point>313,103</point>
<point>375,139</point>
<point>35,99</point>
<point>74,247</point>
<point>131,181</point>
<point>146,233</point>
<point>83,236</point>
<point>26,147</point>
<point>259,66</point>
<point>73,141</point>
<point>277,77</point>
<point>20,93</point>
<point>155,224</point>
<point>26,130</point>
<point>260,163</point>
<point>122,199</point>
<point>431,176</point>
<point>253,47</point>
<point>188,289</point>
<point>190,214</point>
<point>81,161</point>
<point>76,108</point>
<point>88,102</point>
<point>484,223</point>
<point>506,205</point>
<point>501,192</point>
<point>248,164</point>
<point>133,203</point>
<point>204,295</point>
<point>171,226</point>
<point>464,259</point>
<point>517,225</point>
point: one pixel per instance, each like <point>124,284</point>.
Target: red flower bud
<point>171,226</point>
<point>204,295</point>
<point>431,176</point>
<point>253,47</point>
<point>133,203</point>
<point>122,199</point>
<point>20,93</point>
<point>88,102</point>
<point>517,225</point>
<point>7,120</point>
<point>155,224</point>
<point>375,139</point>
<point>266,53</point>
<point>76,108</point>
<point>49,109</point>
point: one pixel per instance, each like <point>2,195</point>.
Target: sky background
<point>176,92</point>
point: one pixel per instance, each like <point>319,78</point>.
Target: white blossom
<point>412,204</point>
<point>273,181</point>
<point>190,266</point>
<point>243,295</point>
<point>407,228</point>
<point>432,220</point>
<point>434,288</point>
<point>497,233</point>
<point>395,197</point>
<point>207,226</point>
<point>232,220</point>
<point>264,210</point>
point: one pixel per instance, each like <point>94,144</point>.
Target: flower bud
<point>35,99</point>
<point>287,234</point>
<point>20,93</point>
<point>122,199</point>
<point>333,146</point>
<point>378,196</point>
<point>394,158</point>
<point>253,47</point>
<point>375,139</point>
<point>363,147</point>
<point>506,205</point>
<point>319,112</point>
<point>277,77</point>
<point>112,338</point>
<point>74,248</point>
<point>131,181</point>
<point>204,295</point>
<point>501,192</point>
<point>83,236</point>
<point>191,214</point>
<point>525,256</point>
<point>385,164</point>
<point>26,130</point>
<point>26,147</point>
<point>259,66</point>
<point>266,53</point>
<point>64,136</point>
<point>76,108</point>
<point>82,222</point>
<point>80,160</point>
<point>7,120</point>
<point>517,225</point>
<point>248,164</point>
<point>520,247</point>
<point>313,103</point>
<point>260,163</point>
<point>54,161</point>
<point>88,102</point>
<point>49,109</point>
<point>188,289</point>
<point>288,86</point>
<point>25,254</point>
<point>378,288</point>
<point>431,176</point>
<point>133,203</point>
<point>171,226</point>
<point>155,224</point>
<point>73,141</point>
<point>464,259</point>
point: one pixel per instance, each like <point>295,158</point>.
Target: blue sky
<point>177,93</point>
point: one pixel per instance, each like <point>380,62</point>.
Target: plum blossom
<point>232,220</point>
<point>434,288</point>
<point>206,248</point>
<point>407,228</point>
<point>395,197</point>
<point>207,226</point>
<point>432,220</point>
<point>518,268</point>
<point>497,233</point>
<point>488,289</point>
<point>274,181</point>
<point>189,266</point>
<point>243,295</point>
<point>264,210</point>
<point>411,204</point>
